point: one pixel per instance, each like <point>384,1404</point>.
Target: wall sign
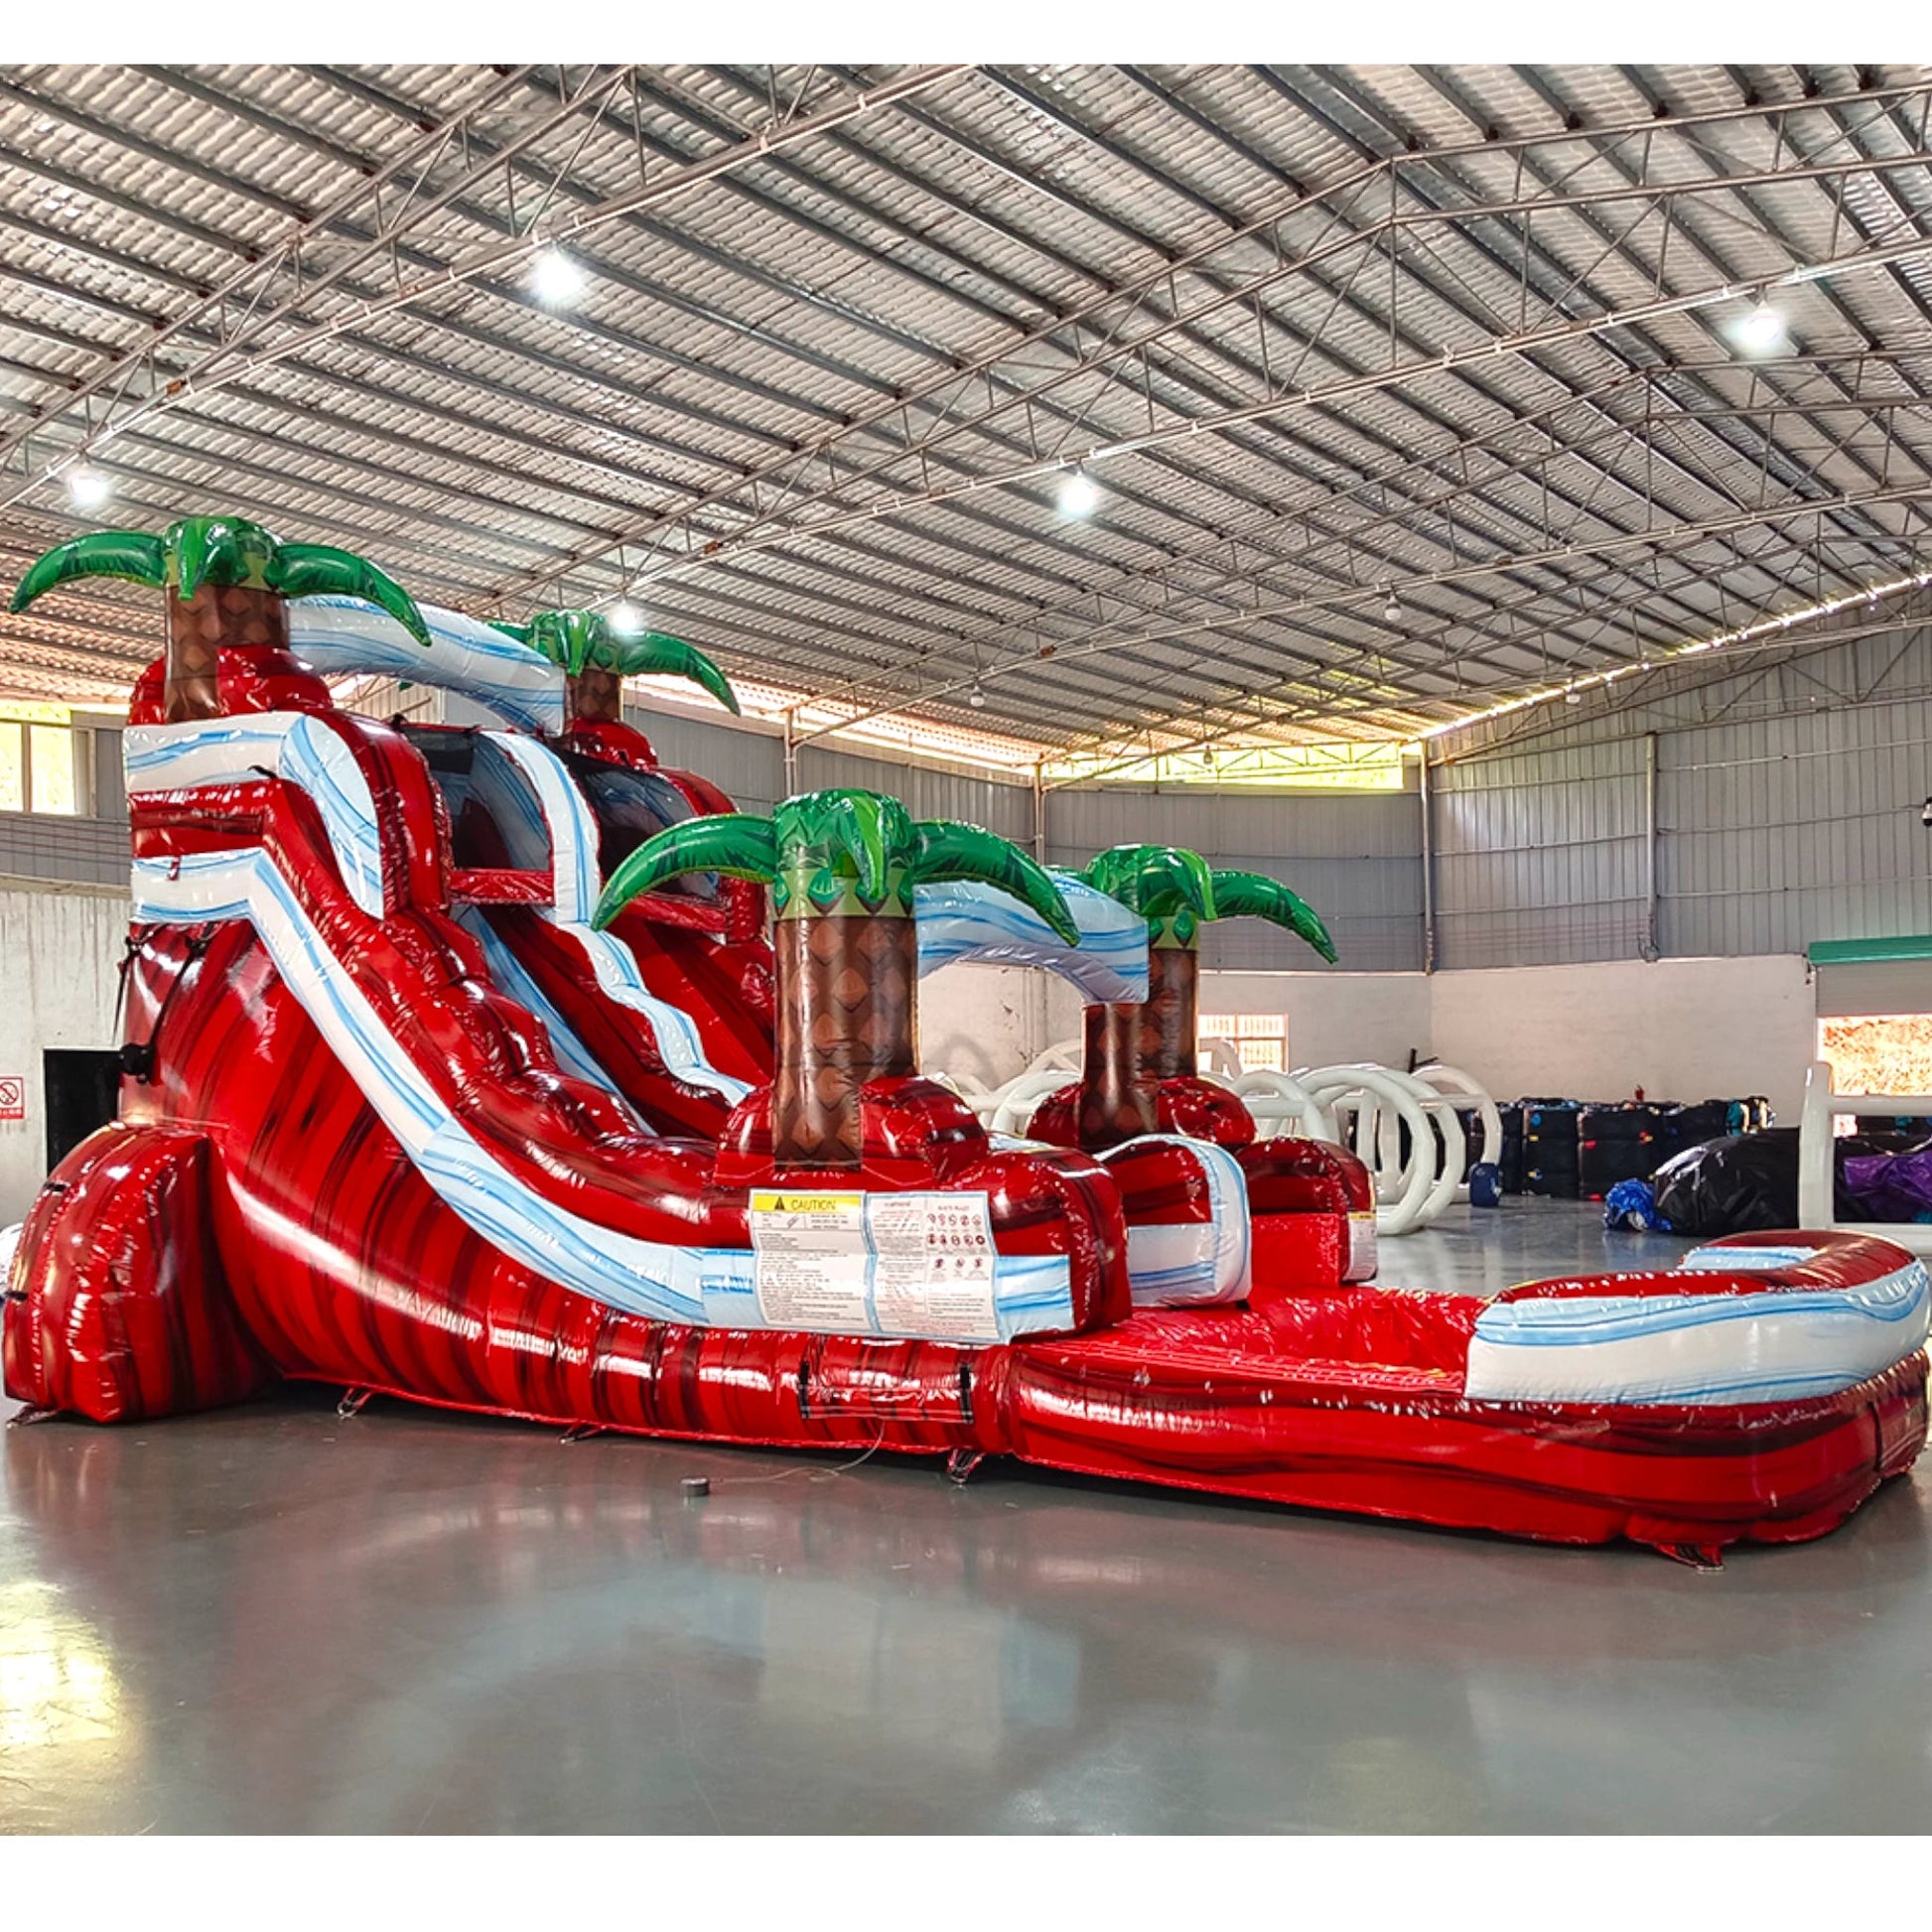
<point>13,1096</point>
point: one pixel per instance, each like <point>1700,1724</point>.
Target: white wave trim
<point>965,922</point>
<point>511,977</point>
<point>663,1281</point>
<point>566,818</point>
<point>1194,1264</point>
<point>337,636</point>
<point>679,1043</point>
<point>1698,1348</point>
<point>577,885</point>
<point>295,746</point>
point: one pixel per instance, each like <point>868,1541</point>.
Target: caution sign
<point>912,1265</point>
<point>812,1265</point>
<point>13,1096</point>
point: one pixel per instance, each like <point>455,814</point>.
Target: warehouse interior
<point>1490,501</point>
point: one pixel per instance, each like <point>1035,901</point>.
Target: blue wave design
<point>678,1040</point>
<point>1579,1321</point>
<point>306,754</point>
<point>312,759</point>
<point>563,821</point>
<point>1227,1216</point>
<point>152,757</point>
<point>510,976</point>
<point>965,922</point>
<point>528,1229</point>
<point>465,655</point>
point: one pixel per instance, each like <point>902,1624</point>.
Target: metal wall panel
<point>38,845</point>
<point>1355,857</point>
<point>1788,803</point>
<point>1775,832</point>
<point>1540,856</point>
<point>749,766</point>
<point>929,791</point>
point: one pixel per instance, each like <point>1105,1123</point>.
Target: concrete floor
<point>270,1619</point>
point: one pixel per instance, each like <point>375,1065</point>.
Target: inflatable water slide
<point>507,1070</point>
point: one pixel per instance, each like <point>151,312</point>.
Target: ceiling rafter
<point>836,383</point>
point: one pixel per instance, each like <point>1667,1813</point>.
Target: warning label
<point>813,1262</point>
<point>932,1266</point>
<point>875,1264</point>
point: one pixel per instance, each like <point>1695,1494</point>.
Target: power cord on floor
<point>800,1469</point>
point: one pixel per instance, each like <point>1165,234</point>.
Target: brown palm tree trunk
<point>1116,1100</point>
<point>593,697</point>
<point>1171,1019</point>
<point>1131,1048</point>
<point>215,619</point>
<point>847,1011</point>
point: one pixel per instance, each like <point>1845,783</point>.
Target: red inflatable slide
<point>460,1066</point>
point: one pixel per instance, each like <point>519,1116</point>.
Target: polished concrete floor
<point>271,1619</point>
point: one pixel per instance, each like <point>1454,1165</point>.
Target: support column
<point>1647,942</point>
<point>1427,865</point>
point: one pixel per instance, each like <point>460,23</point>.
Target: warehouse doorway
<point>83,1088</point>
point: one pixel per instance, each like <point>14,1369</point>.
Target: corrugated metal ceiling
<point>1404,389</point>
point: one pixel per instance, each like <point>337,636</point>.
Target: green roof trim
<point>1855,952</point>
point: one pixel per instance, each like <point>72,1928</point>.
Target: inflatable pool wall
<point>379,1129</point>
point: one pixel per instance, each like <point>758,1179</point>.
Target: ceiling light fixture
<point>1759,330</point>
<point>625,617</point>
<point>1079,495</point>
<point>89,489</point>
<point>556,280</point>
<point>976,697</point>
<point>1391,610</point>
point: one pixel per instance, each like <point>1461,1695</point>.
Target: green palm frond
<point>128,554</point>
<point>944,849</point>
<point>1248,896</point>
<point>579,641</point>
<point>1158,881</point>
<point>841,848</point>
<point>863,836</point>
<point>564,637</point>
<point>317,570</point>
<point>655,654</point>
<point>227,552</point>
<point>739,843</point>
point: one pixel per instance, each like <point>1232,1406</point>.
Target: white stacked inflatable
<point>1364,1108</point>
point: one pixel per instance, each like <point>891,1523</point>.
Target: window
<point>12,767</point>
<point>1259,1040</point>
<point>40,760</point>
<point>1877,1053</point>
<point>50,769</point>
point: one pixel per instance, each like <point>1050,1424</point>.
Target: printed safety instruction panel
<point>875,1264</point>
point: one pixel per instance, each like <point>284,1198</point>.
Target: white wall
<point>1333,1017</point>
<point>1682,1028</point>
<point>59,959</point>
<point>988,1022</point>
<point>984,1022</point>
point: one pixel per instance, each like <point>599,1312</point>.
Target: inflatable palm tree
<point>228,581</point>
<point>596,660</point>
<point>1130,1050</point>
<point>842,866</point>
